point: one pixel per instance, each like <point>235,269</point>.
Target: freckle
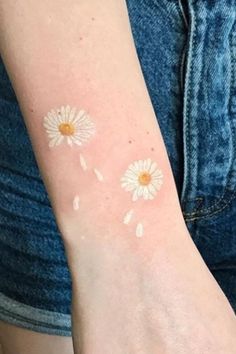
<point>152,149</point>
<point>130,141</point>
<point>147,132</point>
<point>93,19</point>
<point>31,110</point>
<point>80,38</point>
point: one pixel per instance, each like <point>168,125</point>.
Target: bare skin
<point>17,340</point>
<point>146,295</point>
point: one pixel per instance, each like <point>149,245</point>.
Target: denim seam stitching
<point>188,92</point>
<point>180,9</point>
<point>172,21</point>
<point>200,199</point>
<point>222,198</point>
<point>209,214</point>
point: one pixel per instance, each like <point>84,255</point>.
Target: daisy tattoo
<point>69,125</point>
<point>143,179</point>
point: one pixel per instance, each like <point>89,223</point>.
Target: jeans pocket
<point>209,117</point>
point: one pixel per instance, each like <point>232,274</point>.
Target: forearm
<point>84,57</point>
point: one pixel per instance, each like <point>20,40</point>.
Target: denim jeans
<point>187,51</point>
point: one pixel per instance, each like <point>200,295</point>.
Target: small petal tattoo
<point>128,217</point>
<point>69,125</point>
<point>139,230</point>
<point>98,174</point>
<point>83,162</point>
<point>76,202</point>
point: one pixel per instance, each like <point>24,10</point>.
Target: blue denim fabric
<point>187,50</point>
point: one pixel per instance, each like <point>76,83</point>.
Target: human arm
<point>81,53</point>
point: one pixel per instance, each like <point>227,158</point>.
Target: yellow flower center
<point>144,178</point>
<point>66,129</point>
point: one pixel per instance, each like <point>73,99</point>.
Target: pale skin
<point>131,295</point>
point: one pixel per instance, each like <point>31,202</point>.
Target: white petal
<point>52,135</point>
<point>83,136</point>
<point>136,165</point>
<point>83,163</point>
<point>145,193</point>
<point>69,141</point>
<point>63,112</point>
<point>157,183</point>
<point>134,169</point>
<point>72,114</point>
<point>133,180</point>
<point>153,167</point>
<point>53,113</point>
<point>50,123</point>
<point>98,175</point>
<point>140,191</point>
<point>152,189</point>
<point>125,183</point>
<point>81,113</point>
<point>85,133</point>
<point>59,119</point>
<point>139,230</point>
<point>59,140</point>
<point>131,174</point>
<point>67,113</point>
<point>157,173</point>
<point>50,128</point>
<point>53,141</point>
<point>76,203</point>
<point>149,162</point>
<point>128,186</point>
<point>140,165</point>
<point>76,141</point>
<point>135,195</point>
<point>81,119</point>
<point>130,180</point>
<point>128,217</point>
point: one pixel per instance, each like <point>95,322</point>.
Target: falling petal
<point>83,163</point>
<point>128,217</point>
<point>139,230</point>
<point>76,203</point>
<point>98,175</point>
<point>135,195</point>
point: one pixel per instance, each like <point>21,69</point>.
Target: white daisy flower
<point>67,124</point>
<point>143,179</point>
